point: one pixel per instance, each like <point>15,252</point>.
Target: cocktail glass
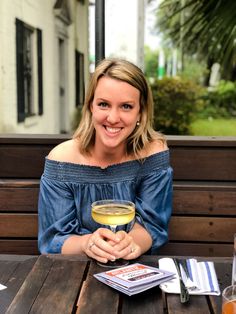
<point>229,300</point>
<point>113,213</point>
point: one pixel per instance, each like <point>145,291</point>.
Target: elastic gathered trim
<point>130,170</point>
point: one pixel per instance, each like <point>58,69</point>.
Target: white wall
<point>39,14</point>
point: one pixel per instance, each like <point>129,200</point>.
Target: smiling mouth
<point>112,130</point>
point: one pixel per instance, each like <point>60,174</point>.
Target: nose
<point>113,116</point>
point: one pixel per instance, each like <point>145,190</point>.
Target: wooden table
<point>65,284</point>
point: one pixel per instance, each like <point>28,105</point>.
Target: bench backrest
<point>204,204</point>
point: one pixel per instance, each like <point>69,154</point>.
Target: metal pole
<point>99,30</point>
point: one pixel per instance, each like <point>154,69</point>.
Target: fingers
<point>129,252</point>
<point>126,248</point>
<point>99,248</point>
<point>100,255</point>
<point>103,245</point>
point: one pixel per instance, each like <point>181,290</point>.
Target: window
<point>79,81</point>
<point>29,71</point>
<point>27,75</point>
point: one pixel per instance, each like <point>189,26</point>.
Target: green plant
<point>175,105</point>
<point>219,102</point>
<point>193,70</point>
<point>205,28</point>
<point>151,62</point>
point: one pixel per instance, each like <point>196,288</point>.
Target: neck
<point>105,158</point>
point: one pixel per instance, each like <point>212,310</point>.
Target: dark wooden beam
<point>99,30</point>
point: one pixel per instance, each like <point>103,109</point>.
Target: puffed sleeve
<point>154,205</point>
<point>57,215</point>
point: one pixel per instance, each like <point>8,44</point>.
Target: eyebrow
<point>123,102</point>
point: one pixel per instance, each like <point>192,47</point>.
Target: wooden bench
<point>204,204</point>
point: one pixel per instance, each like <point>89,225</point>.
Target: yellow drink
<point>113,213</point>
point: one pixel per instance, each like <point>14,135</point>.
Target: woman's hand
<point>104,245</point>
<point>101,245</point>
<point>126,248</point>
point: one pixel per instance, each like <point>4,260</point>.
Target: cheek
<point>132,120</point>
<point>98,116</point>
<point>131,124</point>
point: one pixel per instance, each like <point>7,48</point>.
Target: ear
<point>139,117</point>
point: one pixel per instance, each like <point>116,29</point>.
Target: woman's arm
<point>141,238</point>
<point>154,206</point>
<point>57,215</point>
<point>75,244</point>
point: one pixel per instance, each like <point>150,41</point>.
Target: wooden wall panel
<point>202,229</point>
<point>19,225</point>
<point>19,246</point>
<point>19,199</point>
<point>210,164</point>
<point>204,199</point>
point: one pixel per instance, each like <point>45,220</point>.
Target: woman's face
<point>115,112</point>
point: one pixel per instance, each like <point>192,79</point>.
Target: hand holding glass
<point>113,213</point>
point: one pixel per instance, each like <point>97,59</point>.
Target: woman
<point>114,154</point>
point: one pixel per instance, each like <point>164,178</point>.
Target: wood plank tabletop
<point>65,284</point>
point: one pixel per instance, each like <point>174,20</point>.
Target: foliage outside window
<point>176,103</point>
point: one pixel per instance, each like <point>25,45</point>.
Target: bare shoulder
<point>65,152</point>
<point>155,147</point>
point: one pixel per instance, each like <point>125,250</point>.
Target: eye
<point>127,106</point>
<point>103,105</point>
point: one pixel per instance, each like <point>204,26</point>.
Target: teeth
<point>113,130</point>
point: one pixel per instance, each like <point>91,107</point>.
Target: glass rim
<point>226,289</point>
<point>113,201</point>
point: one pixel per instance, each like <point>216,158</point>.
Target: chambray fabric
<point>67,191</point>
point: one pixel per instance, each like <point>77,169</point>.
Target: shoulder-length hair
<point>127,72</point>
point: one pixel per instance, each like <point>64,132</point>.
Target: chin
<point>112,144</point>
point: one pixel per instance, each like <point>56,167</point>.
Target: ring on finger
<point>91,245</point>
<point>132,249</point>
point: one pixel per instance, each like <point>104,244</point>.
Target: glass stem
<point>113,228</point>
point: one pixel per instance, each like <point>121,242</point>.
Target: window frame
<point>34,106</point>
<point>79,79</point>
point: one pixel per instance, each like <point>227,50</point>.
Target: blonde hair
<point>127,72</point>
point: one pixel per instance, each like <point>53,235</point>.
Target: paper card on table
<point>2,287</point>
<point>202,281</point>
<point>134,278</point>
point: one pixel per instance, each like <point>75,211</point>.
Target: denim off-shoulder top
<point>67,191</point>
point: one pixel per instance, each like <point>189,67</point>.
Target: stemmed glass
<point>229,293</point>
<point>229,300</point>
<point>113,213</point>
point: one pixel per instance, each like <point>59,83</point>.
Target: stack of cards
<point>134,278</point>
